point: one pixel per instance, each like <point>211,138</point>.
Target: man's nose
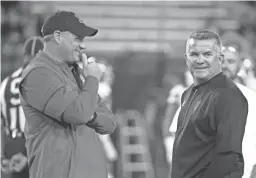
<point>199,60</point>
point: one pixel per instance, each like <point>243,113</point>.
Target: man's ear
<point>221,58</point>
<point>56,36</point>
<point>186,58</point>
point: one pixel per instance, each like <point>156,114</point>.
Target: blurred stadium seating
<point>143,25</point>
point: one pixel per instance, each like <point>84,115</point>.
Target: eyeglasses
<point>230,48</point>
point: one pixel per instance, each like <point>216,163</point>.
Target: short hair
<point>205,34</point>
<point>33,45</point>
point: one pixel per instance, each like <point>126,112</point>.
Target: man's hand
<point>92,68</point>
<point>18,162</point>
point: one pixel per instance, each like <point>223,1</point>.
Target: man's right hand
<point>92,67</point>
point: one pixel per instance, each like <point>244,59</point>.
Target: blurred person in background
<point>175,94</point>
<point>14,156</point>
<point>247,73</point>
<point>238,40</point>
<point>211,123</point>
<point>231,66</point>
<point>63,111</point>
<point>105,92</point>
<point>173,107</point>
<point>18,23</point>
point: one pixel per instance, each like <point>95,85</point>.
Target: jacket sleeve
<point>104,121</point>
<point>43,90</point>
<point>231,114</point>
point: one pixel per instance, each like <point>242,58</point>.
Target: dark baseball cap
<point>33,45</point>
<point>67,21</point>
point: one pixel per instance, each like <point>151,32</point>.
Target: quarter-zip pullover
<point>211,125</point>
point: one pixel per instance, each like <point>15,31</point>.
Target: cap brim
<point>92,31</point>
<point>88,31</point>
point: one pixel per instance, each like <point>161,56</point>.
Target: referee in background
<point>14,160</point>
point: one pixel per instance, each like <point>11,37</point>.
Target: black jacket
<point>211,124</point>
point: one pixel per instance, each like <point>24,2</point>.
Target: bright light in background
<point>247,63</point>
<point>102,67</point>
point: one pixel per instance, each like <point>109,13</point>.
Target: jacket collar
<point>64,67</point>
<point>212,83</point>
<point>51,59</point>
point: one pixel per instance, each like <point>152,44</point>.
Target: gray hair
<point>205,34</point>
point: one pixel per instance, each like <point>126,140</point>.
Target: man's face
<point>71,47</point>
<point>231,64</point>
<point>203,59</point>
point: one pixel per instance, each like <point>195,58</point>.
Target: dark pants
<point>23,174</point>
<point>11,147</point>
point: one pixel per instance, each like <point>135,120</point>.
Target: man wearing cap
<point>231,65</point>
<point>64,113</point>
<point>14,160</point>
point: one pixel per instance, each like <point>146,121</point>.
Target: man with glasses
<point>231,65</point>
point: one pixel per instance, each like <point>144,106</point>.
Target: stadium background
<point>144,42</point>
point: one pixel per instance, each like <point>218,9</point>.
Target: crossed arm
<point>43,90</point>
